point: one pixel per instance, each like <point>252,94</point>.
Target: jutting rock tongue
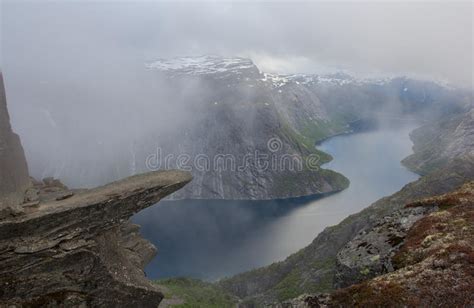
<point>14,178</point>
<point>79,250</point>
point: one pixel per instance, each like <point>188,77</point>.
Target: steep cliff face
<point>242,113</point>
<point>14,179</point>
<point>442,142</point>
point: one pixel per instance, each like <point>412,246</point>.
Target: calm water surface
<point>213,239</point>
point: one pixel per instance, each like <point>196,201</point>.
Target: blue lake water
<point>211,239</point>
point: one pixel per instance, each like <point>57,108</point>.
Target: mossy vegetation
<point>434,265</point>
<point>196,293</point>
<point>305,142</point>
<point>312,158</point>
<point>320,130</point>
<point>365,295</point>
<point>295,284</point>
<point>289,286</point>
<point>335,179</point>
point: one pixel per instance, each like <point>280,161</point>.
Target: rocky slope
<point>442,142</point>
<point>360,247</point>
<point>74,248</point>
<point>432,263</point>
<point>14,179</point>
<point>370,253</point>
<point>212,108</point>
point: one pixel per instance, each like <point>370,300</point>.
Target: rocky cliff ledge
<point>78,248</point>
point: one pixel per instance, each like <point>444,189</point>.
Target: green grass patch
<point>294,285</point>
<point>289,287</point>
<point>307,144</point>
<point>320,130</point>
<point>196,293</point>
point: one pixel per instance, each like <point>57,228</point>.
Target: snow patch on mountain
<point>276,80</point>
<point>201,65</point>
<point>337,79</point>
<point>244,69</point>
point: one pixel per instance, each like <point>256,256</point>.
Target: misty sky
<point>74,39</point>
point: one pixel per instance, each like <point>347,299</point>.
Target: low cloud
<point>428,39</point>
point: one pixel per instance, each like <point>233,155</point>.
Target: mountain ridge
<point>224,107</point>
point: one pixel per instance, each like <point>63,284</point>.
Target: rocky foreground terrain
<point>429,264</point>
<point>73,248</point>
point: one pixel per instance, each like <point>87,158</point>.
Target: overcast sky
<point>429,39</point>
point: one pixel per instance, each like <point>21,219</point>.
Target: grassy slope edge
<point>188,292</point>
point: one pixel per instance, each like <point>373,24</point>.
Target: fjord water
<point>211,239</point>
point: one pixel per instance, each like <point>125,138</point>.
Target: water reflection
<point>209,239</point>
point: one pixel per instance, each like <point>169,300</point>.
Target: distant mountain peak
<point>239,67</point>
<point>201,65</point>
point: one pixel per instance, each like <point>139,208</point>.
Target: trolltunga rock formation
<point>63,248</point>
<point>82,250</point>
